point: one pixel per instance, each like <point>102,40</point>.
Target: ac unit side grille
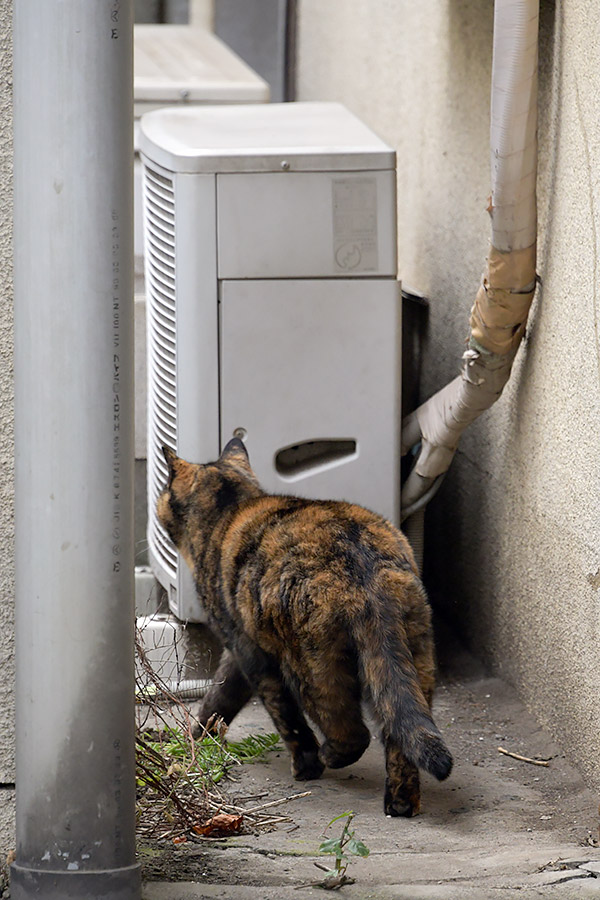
<point>160,215</point>
<point>167,264</point>
<point>165,335</point>
<point>162,295</point>
<point>161,358</point>
<point>168,420</point>
<point>162,371</point>
<point>158,245</point>
<point>165,377</point>
<point>160,281</point>
<point>159,236</point>
<point>163,272</point>
<point>162,197</point>
<point>163,316</point>
<point>158,179</point>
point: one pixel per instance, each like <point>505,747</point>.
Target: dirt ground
<point>498,827</point>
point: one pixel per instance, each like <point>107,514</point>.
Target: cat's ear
<point>235,454</point>
<point>234,451</point>
<point>173,463</point>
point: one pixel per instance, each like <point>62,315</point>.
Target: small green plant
<point>342,848</point>
<point>254,747</point>
<point>203,762</point>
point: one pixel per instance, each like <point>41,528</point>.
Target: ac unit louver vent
<point>162,381</point>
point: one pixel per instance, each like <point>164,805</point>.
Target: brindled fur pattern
<point>320,608</point>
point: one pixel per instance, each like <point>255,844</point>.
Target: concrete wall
<point>7,581</point>
<point>513,538</point>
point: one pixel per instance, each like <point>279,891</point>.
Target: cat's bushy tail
<point>392,682</point>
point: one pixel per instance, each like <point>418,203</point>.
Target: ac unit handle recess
<point>303,458</point>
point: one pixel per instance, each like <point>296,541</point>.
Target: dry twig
<point>526,759</point>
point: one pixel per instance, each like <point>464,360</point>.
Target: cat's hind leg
<point>232,690</point>
<point>402,795</point>
<point>262,670</point>
<point>292,726</point>
<point>334,705</point>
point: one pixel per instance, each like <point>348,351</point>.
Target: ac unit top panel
<point>301,137</point>
<point>185,63</point>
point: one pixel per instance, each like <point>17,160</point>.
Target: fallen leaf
<point>223,823</point>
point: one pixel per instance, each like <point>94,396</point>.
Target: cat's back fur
<point>320,606</point>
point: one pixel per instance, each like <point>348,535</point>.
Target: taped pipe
<point>73,113</point>
<point>499,314</point>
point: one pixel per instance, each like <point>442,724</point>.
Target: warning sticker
<point>355,224</point>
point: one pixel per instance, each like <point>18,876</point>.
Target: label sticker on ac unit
<point>355,224</point>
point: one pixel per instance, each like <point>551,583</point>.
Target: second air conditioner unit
<point>273,305</point>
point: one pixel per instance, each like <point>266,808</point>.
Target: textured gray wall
<point>513,538</point>
<point>7,772</point>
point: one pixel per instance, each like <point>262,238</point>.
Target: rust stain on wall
<point>594,580</point>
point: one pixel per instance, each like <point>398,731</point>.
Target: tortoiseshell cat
<point>319,606</point>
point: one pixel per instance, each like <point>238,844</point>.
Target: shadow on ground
<point>496,828</point>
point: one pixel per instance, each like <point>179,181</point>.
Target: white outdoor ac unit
<point>273,305</point>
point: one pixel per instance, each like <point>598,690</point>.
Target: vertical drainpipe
<point>73,111</point>
<point>499,314</point>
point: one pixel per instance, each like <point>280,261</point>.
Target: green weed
<point>342,848</point>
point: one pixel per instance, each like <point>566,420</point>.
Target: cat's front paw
<point>203,724</point>
<point>307,766</point>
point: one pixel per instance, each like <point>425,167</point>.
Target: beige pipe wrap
<point>498,320</point>
<point>499,314</point>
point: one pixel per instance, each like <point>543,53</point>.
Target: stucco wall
<point>7,773</point>
<point>513,538</point>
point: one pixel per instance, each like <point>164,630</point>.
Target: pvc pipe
<point>509,282</point>
<point>513,124</point>
<point>73,114</point>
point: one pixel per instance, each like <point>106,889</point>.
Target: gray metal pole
<point>74,450</point>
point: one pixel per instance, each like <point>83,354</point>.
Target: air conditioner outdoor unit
<point>273,305</point>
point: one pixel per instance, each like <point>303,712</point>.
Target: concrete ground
<point>497,828</point>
